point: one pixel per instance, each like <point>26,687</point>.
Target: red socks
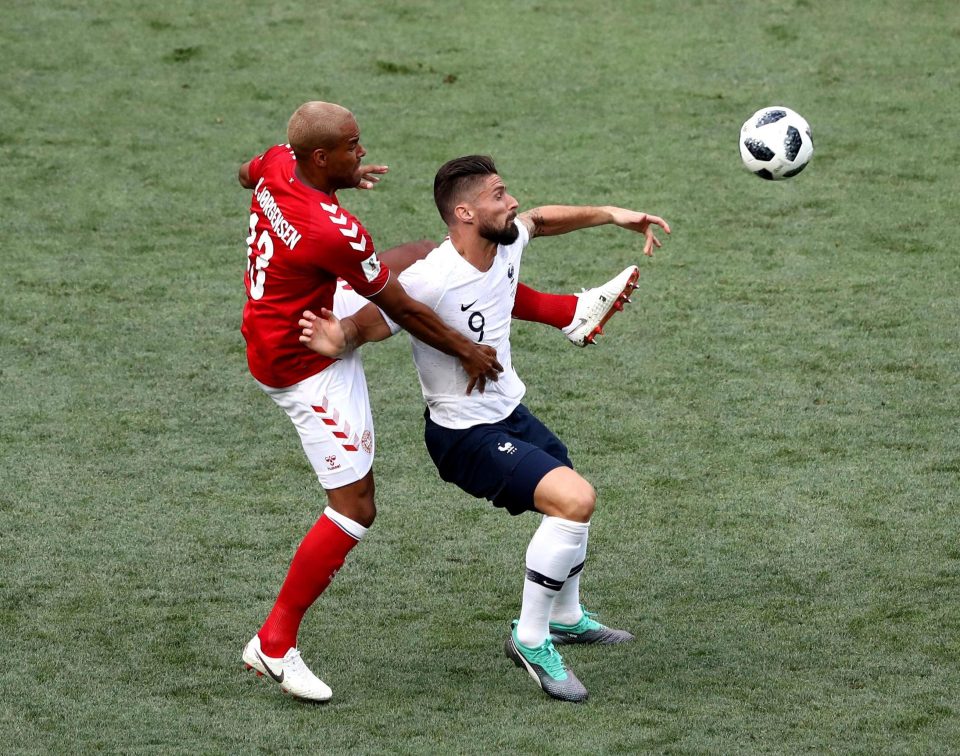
<point>552,309</point>
<point>319,556</point>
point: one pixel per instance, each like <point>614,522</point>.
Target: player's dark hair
<point>454,177</point>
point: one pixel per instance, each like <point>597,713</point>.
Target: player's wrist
<point>351,335</point>
<point>464,348</point>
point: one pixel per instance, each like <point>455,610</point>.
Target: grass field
<point>772,427</point>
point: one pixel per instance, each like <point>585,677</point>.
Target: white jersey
<point>478,304</point>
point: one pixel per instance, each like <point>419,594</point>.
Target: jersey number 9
<point>476,323</point>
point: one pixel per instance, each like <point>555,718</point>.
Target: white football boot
<point>290,672</point>
<point>596,306</point>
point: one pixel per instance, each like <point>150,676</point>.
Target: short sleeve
<point>524,238</point>
<point>361,268</point>
<point>257,163</point>
<point>520,243</point>
<point>343,247</point>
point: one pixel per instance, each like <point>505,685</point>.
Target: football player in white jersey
<point>490,444</point>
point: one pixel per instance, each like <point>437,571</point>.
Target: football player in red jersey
<point>301,240</point>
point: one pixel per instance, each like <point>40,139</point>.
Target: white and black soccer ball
<point>776,143</point>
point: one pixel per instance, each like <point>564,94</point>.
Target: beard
<point>355,178</point>
<point>503,235</point>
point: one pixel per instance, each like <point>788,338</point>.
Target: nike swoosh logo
<point>278,678</point>
<point>464,308</point>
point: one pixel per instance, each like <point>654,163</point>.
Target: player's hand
<point>482,366</point>
<point>642,223</point>
<point>370,175</point>
<point>323,333</point>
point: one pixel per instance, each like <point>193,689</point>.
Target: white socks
<point>566,606</point>
<point>558,546</point>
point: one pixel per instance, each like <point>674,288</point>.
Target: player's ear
<point>463,213</point>
<point>319,157</point>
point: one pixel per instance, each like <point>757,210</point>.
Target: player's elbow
<point>243,176</point>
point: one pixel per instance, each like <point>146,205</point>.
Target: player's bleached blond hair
<point>316,125</point>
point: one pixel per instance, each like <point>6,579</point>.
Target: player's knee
<point>578,501</point>
<point>582,502</point>
<point>361,511</point>
<point>355,501</point>
<point>564,493</point>
<point>366,509</point>
<point>367,515</point>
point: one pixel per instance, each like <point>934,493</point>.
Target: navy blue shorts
<point>502,462</point>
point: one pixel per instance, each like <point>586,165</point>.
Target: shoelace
<point>295,663</point>
<point>596,305</point>
<point>553,662</point>
<point>589,617</point>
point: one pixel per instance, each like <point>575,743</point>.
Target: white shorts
<point>331,411</point>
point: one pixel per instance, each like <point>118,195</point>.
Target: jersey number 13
<point>258,260</point>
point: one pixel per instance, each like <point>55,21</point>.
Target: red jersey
<point>300,242</point>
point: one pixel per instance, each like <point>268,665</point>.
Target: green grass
<point>772,426</point>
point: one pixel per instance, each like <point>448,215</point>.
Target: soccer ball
<point>775,143</point>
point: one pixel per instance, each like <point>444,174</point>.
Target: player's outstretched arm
<point>479,361</point>
<point>552,220</point>
<point>642,223</point>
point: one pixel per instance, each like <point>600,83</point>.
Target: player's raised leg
<point>596,306</point>
<point>556,310</point>
<point>402,256</point>
<point>581,316</point>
